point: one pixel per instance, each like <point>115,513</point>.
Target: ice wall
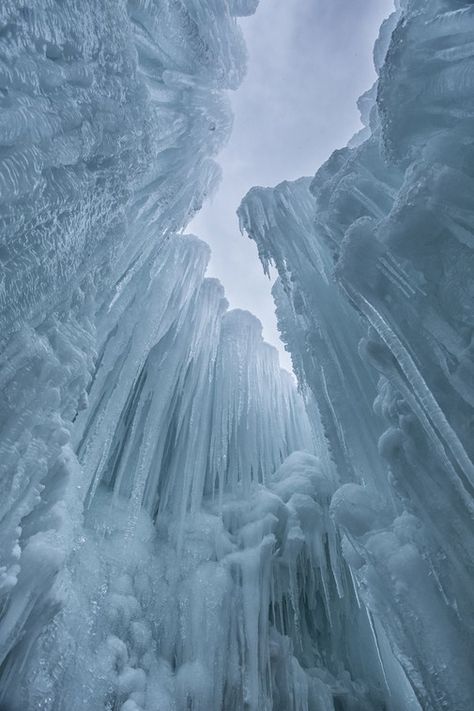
<point>375,304</point>
<point>168,538</point>
<point>159,592</point>
<point>111,113</point>
<point>110,116</point>
<point>165,536</point>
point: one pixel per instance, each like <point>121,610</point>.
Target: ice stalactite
<point>180,527</point>
<point>393,218</point>
<point>165,535</point>
<point>205,570</point>
<point>110,117</point>
<point>169,571</point>
<point>318,316</point>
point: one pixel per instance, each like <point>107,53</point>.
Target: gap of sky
<point>308,62</point>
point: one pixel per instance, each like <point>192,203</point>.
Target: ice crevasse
<point>181,527</point>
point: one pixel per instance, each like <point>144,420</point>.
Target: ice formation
<point>375,302</point>
<point>180,526</point>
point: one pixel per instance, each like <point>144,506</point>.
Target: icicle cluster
<point>170,567</point>
<point>375,255</point>
<point>168,540</point>
<point>147,562</point>
<point>110,115</point>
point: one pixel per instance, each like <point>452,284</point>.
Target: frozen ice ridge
<point>375,303</point>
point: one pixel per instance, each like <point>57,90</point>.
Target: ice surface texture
<point>159,550</point>
<point>112,358</point>
<point>375,254</point>
<point>110,115</point>
<point>168,538</point>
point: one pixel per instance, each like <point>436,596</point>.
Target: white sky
<point>309,61</point>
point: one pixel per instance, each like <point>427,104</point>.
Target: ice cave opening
<point>183,526</point>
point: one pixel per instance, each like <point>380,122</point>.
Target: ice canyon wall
<point>180,527</point>
<point>160,548</point>
<point>375,301</point>
<point>129,394</point>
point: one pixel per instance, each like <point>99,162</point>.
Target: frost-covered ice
<point>180,527</point>
<point>144,530</point>
<point>223,623</point>
<point>375,303</point>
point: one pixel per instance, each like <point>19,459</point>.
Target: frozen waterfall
<point>374,300</point>
<point>183,526</point>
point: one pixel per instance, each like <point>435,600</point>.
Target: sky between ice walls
<point>309,61</point>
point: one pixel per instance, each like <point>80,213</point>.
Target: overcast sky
<point>309,61</point>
